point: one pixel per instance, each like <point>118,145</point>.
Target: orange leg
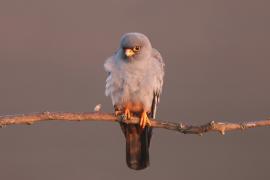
<point>144,120</point>
<point>127,110</point>
<point>127,113</point>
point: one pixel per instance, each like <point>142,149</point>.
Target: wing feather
<point>159,81</point>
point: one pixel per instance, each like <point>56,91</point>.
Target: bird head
<point>135,46</point>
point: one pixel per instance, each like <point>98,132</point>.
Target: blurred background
<point>217,68</point>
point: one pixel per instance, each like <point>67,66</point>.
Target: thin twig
<point>221,127</point>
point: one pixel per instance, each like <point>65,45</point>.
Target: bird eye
<point>136,48</point>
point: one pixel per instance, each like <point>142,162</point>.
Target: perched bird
<point>134,83</point>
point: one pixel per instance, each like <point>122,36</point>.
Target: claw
<point>144,120</point>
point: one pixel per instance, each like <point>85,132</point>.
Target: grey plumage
<point>135,79</point>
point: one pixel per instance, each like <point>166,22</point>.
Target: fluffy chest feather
<point>130,83</point>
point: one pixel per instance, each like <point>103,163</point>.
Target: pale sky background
<point>217,56</point>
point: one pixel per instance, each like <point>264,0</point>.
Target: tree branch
<point>221,127</point>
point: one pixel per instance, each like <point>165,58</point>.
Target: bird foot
<point>124,115</point>
<point>127,113</point>
<point>144,120</point>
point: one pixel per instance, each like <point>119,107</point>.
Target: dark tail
<point>137,145</point>
<point>138,140</point>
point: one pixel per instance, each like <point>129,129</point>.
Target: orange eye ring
<point>136,48</point>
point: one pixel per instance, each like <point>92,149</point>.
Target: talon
<point>144,120</point>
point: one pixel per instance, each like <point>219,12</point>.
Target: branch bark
<point>214,126</point>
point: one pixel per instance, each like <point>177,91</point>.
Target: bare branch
<point>221,127</point>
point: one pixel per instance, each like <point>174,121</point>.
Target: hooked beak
<point>129,52</point>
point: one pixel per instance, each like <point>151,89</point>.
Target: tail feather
<point>137,145</point>
<point>138,140</point>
